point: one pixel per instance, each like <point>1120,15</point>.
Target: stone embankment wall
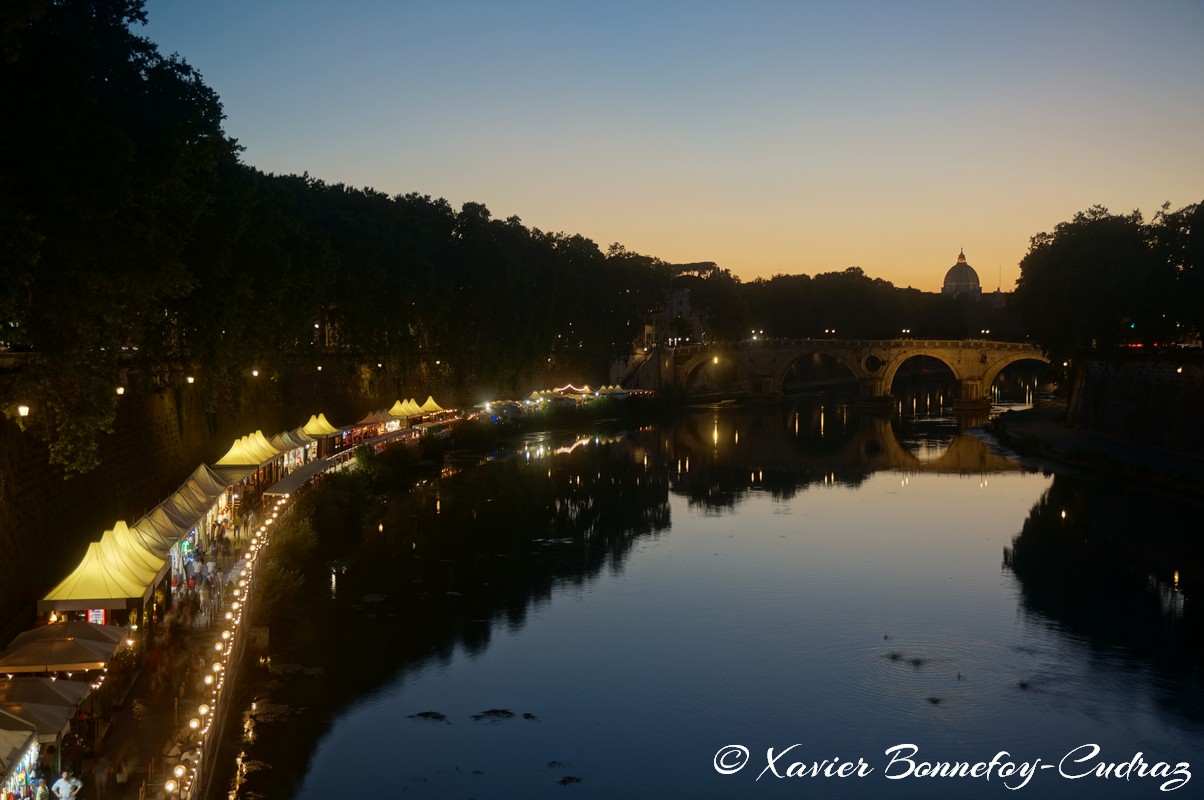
<point>47,519</point>
<point>1153,399</point>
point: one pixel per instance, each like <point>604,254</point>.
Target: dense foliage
<point>1103,280</point>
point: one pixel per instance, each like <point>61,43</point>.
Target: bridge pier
<point>972,407</point>
<point>970,391</point>
<point>872,397</point>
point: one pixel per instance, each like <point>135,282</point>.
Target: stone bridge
<point>760,367</point>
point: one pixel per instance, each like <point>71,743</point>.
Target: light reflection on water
<point>833,585</point>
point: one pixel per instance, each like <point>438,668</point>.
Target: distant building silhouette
<point>961,280</point>
<point>675,323</point>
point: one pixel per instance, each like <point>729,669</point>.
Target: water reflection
<point>544,584</point>
<point>732,451</point>
<point>1116,571</point>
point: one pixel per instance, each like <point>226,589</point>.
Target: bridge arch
<point>899,359</point>
<point>991,372</point>
<point>826,360</point>
<point>728,372</point>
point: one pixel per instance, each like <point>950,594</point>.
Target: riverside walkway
<point>149,734</point>
<point>161,738</point>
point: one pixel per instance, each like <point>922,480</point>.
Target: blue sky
<point>770,137</point>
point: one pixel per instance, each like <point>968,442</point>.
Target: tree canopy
<point>1103,280</point>
<point>111,155</point>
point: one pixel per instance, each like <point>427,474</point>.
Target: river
<point>689,610</point>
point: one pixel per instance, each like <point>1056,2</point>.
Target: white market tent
<point>59,647</point>
<point>47,703</point>
<point>74,629</point>
<point>291,440</point>
<point>375,418</point>
<point>56,655</point>
<point>40,690</point>
<point>47,722</point>
<point>158,532</point>
<point>177,515</point>
<point>209,482</point>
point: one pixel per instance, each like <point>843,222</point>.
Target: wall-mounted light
<point>254,373</point>
<point>22,411</point>
<point>120,390</point>
<point>190,379</point>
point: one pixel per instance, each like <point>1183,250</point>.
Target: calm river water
<point>639,614</point>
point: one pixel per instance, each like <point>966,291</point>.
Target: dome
<point>961,279</point>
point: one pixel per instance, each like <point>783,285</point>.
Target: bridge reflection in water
<point>715,453</point>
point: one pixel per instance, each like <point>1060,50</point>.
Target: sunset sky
<point>769,137</point>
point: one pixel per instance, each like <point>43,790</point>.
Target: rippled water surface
<point>604,621</point>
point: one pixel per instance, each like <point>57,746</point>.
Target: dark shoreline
<point>1044,434</point>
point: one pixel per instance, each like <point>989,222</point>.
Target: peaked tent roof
<point>158,532</point>
<point>318,426</point>
<point>126,548</point>
<point>186,508</point>
<point>291,440</point>
<point>430,406</point>
<point>261,445</point>
<point>177,513</point>
<point>251,450</point>
<point>209,482</point>
<point>412,409</point>
<point>397,410</point>
<point>95,583</point>
<point>238,456</point>
<point>375,417</point>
